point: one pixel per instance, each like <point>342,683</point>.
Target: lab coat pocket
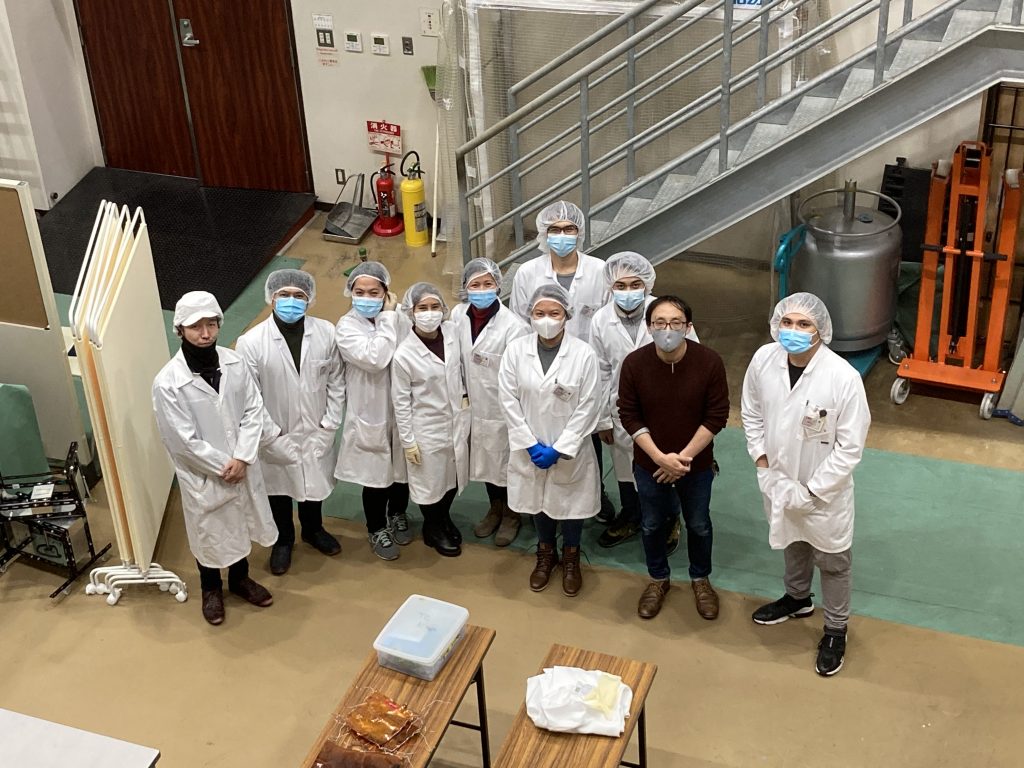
<point>567,471</point>
<point>281,450</point>
<point>318,375</point>
<point>209,493</point>
<point>371,438</point>
<point>323,442</point>
<point>490,440</point>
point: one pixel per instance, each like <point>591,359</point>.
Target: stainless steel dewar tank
<point>851,261</point>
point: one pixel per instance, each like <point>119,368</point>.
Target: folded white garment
<point>573,700</point>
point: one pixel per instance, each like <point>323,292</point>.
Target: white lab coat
<point>203,430</point>
<point>488,437</point>
<point>370,453</point>
<point>821,459</point>
<point>308,406</point>
<point>559,408</point>
<point>428,397</point>
<point>588,291</point>
<point>612,341</point>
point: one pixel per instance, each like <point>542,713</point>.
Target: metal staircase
<point>914,71</point>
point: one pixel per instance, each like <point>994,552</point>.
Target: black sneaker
<point>831,651</point>
<point>607,513</point>
<point>619,531</point>
<point>323,541</point>
<point>672,542</point>
<point>784,608</point>
<point>280,559</point>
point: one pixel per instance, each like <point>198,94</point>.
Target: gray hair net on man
<point>552,292</point>
<point>805,304</point>
<point>560,211</point>
<point>630,264</point>
<point>474,269</point>
<point>420,291</point>
<point>373,269</point>
<point>195,306</point>
<point>289,278</point>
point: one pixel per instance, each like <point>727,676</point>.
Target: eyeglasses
<point>568,229</point>
<point>675,325</point>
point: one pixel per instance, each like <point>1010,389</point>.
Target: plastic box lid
<point>421,630</point>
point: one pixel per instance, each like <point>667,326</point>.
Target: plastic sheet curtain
<point>121,344</point>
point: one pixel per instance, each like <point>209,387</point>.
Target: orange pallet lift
<point>956,363</point>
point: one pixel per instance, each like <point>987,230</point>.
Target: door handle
<point>188,39</point>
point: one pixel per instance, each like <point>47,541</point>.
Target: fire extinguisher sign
<point>384,136</point>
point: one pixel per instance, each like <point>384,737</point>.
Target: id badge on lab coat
<point>486,359</point>
<point>563,393</point>
<point>814,423</point>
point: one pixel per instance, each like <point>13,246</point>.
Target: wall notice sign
<point>326,50</point>
<point>384,136</point>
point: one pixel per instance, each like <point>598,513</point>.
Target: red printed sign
<point>384,136</point>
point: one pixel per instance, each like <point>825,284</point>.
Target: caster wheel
<point>181,596</point>
<point>164,586</point>
<point>897,358</point>
<point>90,589</point>
<point>105,558</point>
<point>172,588</point>
<point>900,391</point>
<point>988,405</point>
<point>113,597</point>
<point>101,589</point>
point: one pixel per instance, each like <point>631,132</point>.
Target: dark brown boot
<point>490,521</point>
<point>509,528</point>
<point>572,576</point>
<point>547,560</point>
<point>213,606</point>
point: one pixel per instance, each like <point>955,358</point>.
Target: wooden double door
<point>201,88</point>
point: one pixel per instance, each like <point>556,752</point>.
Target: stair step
<point>811,109</point>
<point>934,30</point>
<point>858,83</point>
<point>709,169</point>
<point>672,188</point>
<point>764,136</point>
<point>633,209</point>
<point>598,230</point>
<point>982,5</point>
<point>910,54</point>
<point>966,23</point>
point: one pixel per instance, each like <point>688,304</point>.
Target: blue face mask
<point>290,309</point>
<point>628,300</point>
<point>482,299</point>
<point>561,244</point>
<point>795,342</point>
<point>366,306</point>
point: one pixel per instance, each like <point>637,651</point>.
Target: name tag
<point>563,393</point>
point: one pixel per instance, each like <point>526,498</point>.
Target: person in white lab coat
<point>432,415</point>
<point>618,328</point>
<point>299,371</point>
<point>371,454</point>
<point>549,392</point>
<point>806,419</point>
<point>485,327</point>
<point>561,228</point>
<point>211,420</point>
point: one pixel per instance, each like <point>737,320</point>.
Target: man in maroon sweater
<point>673,400</point>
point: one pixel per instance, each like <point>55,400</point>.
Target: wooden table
<point>28,742</point>
<point>436,700</point>
<point>527,744</point>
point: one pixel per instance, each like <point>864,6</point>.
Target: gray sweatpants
<point>801,558</point>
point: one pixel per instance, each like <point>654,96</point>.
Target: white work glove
<point>412,455</point>
<point>794,496</point>
<point>390,302</point>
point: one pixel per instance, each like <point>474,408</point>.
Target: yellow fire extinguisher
<point>414,202</point>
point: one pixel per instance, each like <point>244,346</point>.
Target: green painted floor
<point>936,544</point>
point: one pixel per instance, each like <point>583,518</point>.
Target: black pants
<point>378,503</point>
<point>438,512</point>
<point>496,492</point>
<point>599,450</point>
<point>209,578</point>
<point>310,517</point>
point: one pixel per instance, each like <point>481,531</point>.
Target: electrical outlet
<point>407,46</point>
<point>380,44</point>
<point>354,42</point>
<point>430,22</point>
<point>339,176</point>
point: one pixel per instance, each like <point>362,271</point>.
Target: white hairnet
<point>195,306</point>
<point>419,291</point>
<point>552,292</point>
<point>560,211</point>
<point>474,269</point>
<point>373,269</point>
<point>289,278</point>
<point>630,264</point>
<point>805,304</point>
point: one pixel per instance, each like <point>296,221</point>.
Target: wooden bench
<point>436,701</point>
<point>528,745</point>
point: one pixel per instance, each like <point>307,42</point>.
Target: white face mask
<point>547,327</point>
<point>428,321</point>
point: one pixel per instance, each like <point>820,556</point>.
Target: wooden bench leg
<point>481,705</point>
<point>641,736</point>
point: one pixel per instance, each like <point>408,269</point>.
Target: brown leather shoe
<point>490,522</point>
<point>213,606</point>
<point>249,590</point>
<point>572,576</point>
<point>652,598</point>
<point>509,528</point>
<point>547,560</point>
<point>706,598</point>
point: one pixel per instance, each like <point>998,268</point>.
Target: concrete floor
<point>255,691</point>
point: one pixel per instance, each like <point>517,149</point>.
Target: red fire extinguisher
<point>388,223</point>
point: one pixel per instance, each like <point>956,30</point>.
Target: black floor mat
<point>203,238</point>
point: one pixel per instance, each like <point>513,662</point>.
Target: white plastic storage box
<point>421,636</point>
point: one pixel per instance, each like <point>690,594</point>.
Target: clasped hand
<point>671,467</point>
<point>543,456</point>
<point>233,472</point>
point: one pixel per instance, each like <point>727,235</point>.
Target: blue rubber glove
<point>534,451</point>
<point>548,457</point>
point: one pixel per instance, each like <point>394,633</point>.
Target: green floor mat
<point>936,545</point>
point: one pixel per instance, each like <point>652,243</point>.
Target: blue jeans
<point>657,513</point>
